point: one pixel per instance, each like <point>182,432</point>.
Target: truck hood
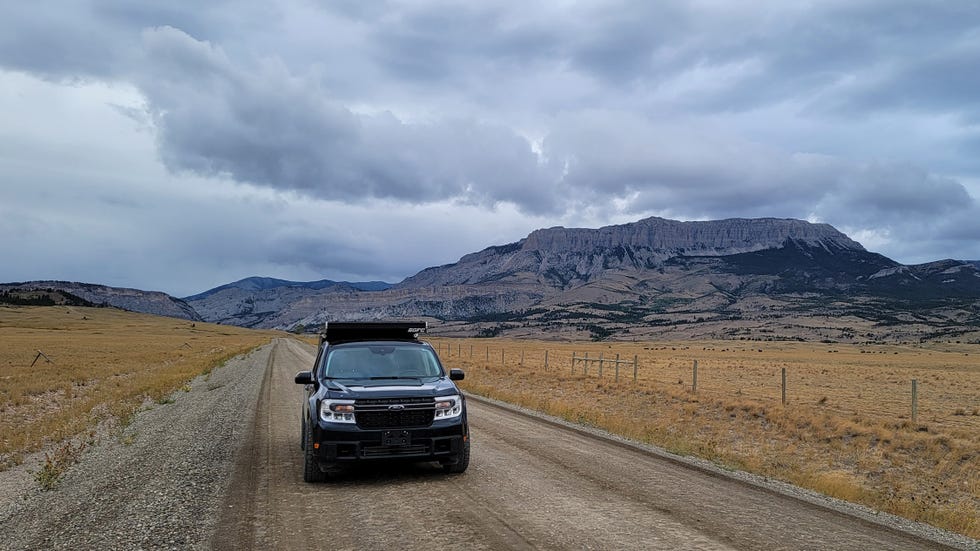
<point>391,389</point>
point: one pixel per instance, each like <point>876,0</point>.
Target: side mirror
<point>304,378</point>
<point>456,375</point>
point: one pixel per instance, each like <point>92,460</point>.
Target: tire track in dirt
<point>725,510</point>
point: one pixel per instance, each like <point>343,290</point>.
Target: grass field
<point>104,363</point>
<point>846,429</point>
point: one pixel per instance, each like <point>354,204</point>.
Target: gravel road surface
<point>221,468</point>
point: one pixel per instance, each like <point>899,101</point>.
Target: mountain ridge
<point>564,257</point>
<point>710,237</point>
<point>766,278</point>
<point>643,277</point>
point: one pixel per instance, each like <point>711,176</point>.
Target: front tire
<point>462,461</point>
<point>311,467</point>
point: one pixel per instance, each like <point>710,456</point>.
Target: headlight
<point>449,406</point>
<point>337,411</point>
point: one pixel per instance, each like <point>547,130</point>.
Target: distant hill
<point>147,302</point>
<point>17,296</point>
<point>250,301</point>
<point>768,278</point>
<point>266,283</point>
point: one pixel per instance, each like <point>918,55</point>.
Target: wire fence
<point>921,389</point>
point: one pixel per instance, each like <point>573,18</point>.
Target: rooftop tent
<point>337,332</point>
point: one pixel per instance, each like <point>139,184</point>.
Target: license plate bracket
<point>396,438</point>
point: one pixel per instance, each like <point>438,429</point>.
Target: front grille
<point>377,413</point>
<point>393,451</point>
<point>394,419</point>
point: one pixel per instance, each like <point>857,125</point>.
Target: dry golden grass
<point>104,363</point>
<point>845,430</point>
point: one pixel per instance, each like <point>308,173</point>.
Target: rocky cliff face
<point>710,238</point>
<point>564,257</point>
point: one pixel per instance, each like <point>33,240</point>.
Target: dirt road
<point>218,466</point>
<point>531,485</point>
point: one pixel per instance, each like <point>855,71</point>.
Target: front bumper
<point>336,443</point>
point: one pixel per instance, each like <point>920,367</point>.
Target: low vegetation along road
<point>220,467</point>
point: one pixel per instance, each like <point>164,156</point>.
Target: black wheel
<point>302,433</point>
<point>462,460</point>
<point>311,467</point>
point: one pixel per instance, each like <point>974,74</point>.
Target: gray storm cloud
<point>266,126</point>
<point>861,114</point>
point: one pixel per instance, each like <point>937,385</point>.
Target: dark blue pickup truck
<point>378,392</point>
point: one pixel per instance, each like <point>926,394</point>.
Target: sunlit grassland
<point>104,364</point>
<point>845,431</point>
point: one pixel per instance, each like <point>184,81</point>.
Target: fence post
<point>522,357</point>
<point>915,401</point>
<point>471,351</point>
<point>459,349</point>
<point>784,386</point>
<point>573,363</point>
<point>546,359</point>
<point>488,354</point>
<point>694,379</point>
<point>617,368</point>
<point>47,359</point>
<point>501,356</point>
<point>600,365</point>
<point>634,367</point>
<point>585,365</point>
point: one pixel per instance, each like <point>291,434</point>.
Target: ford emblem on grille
<point>396,407</point>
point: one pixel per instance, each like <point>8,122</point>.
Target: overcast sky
<point>180,145</point>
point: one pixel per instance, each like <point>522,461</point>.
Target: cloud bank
<point>860,114</point>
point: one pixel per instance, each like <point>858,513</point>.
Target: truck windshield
<point>381,362</point>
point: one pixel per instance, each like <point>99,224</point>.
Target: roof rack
<point>336,332</point>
